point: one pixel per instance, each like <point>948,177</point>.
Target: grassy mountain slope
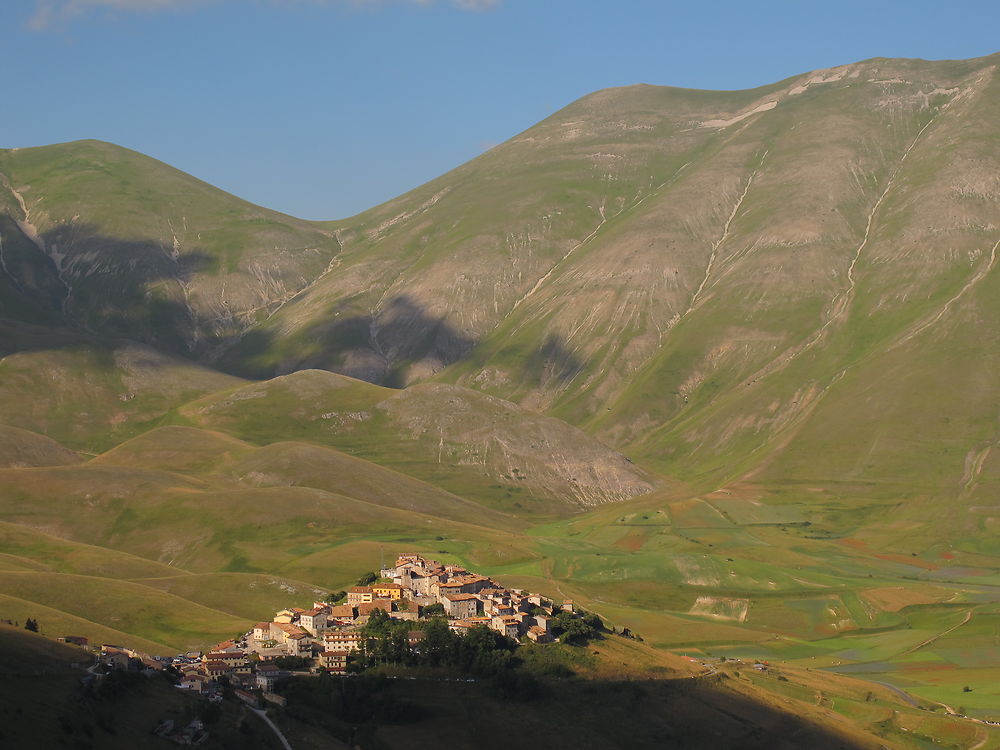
<point>39,551</point>
<point>688,275</point>
<point>25,448</point>
<point>92,394</point>
<point>203,526</point>
<point>290,464</point>
<point>475,445</point>
<point>133,608</point>
<point>706,280</point>
<point>125,245</point>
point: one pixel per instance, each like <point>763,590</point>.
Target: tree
<point>368,578</point>
<point>291,662</point>
<point>593,621</point>
<point>432,610</point>
<point>577,630</point>
<point>335,597</point>
<point>438,642</point>
<point>378,623</point>
<point>31,625</point>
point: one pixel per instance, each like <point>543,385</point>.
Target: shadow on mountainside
<point>689,713</point>
<point>103,287</point>
<point>376,347</point>
<point>112,288</point>
<point>552,361</point>
<point>400,343</point>
<point>411,714</point>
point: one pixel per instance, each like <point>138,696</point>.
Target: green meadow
<point>164,541</point>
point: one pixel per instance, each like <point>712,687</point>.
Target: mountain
<point>787,283</point>
<point>717,365</point>
<point>716,283</point>
<point>124,245</point>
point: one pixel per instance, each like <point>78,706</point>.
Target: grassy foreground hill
<point>669,703</point>
<point>44,704</point>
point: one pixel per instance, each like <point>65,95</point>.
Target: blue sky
<point>322,108</point>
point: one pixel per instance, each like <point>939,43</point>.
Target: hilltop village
<point>328,637</point>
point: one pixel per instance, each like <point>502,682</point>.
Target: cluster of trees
<point>291,662</point>
<point>481,651</point>
<point>484,653</point>
<point>31,625</point>
<point>368,578</point>
<point>576,630</point>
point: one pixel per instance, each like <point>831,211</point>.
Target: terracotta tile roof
<point>292,630</point>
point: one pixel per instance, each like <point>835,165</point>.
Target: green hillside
<point>718,366</point>
<point>787,283</point>
<point>124,245</point>
<point>469,443</point>
<point>24,448</point>
<point>91,394</point>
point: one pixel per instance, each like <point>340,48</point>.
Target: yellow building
<point>387,591</point>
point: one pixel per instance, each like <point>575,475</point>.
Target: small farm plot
<point>696,514</point>
<point>756,513</point>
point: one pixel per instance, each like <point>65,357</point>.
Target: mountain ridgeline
<point>791,283</point>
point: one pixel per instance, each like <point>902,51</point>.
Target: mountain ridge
<point>602,266</point>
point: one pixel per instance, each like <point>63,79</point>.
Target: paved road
<point>263,714</point>
<point>901,693</point>
<point>92,669</point>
